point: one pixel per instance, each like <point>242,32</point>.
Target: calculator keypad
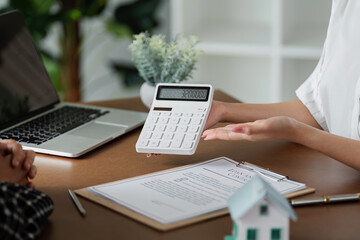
<point>171,130</point>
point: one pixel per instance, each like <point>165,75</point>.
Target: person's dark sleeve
<point>23,211</point>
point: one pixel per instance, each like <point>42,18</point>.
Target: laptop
<point>31,111</point>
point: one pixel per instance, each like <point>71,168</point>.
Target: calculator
<point>176,119</point>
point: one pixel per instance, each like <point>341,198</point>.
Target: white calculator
<point>176,119</point>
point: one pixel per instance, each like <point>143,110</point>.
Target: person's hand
<point>215,115</point>
<point>271,128</point>
<point>152,154</point>
<point>13,175</point>
<point>19,158</point>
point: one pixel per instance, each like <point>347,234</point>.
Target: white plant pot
<point>147,94</point>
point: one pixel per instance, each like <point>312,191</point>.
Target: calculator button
<point>165,143</point>
<point>157,135</point>
<point>160,127</point>
<point>193,129</point>
<point>143,143</point>
<point>154,143</point>
<point>185,120</point>
<point>187,145</point>
<point>190,137</point>
<point>177,114</point>
<point>177,140</point>
<point>171,128</point>
<point>201,109</point>
<point>163,120</point>
<point>196,121</point>
<point>147,135</point>
<point>199,115</point>
<point>176,143</point>
<point>179,136</point>
<point>182,128</point>
<point>153,119</point>
<point>156,114</point>
<point>149,127</point>
<point>168,136</point>
<point>188,114</point>
<point>174,120</point>
<point>166,114</point>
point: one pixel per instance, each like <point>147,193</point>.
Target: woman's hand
<point>19,158</point>
<point>216,114</point>
<point>271,128</point>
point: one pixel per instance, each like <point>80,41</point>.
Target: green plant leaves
<point>158,61</point>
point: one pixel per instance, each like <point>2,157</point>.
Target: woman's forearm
<point>241,112</point>
<point>342,149</point>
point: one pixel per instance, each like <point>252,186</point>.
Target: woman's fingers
<point>221,130</point>
<point>259,130</point>
<point>242,131</point>
<point>152,154</point>
<point>219,133</point>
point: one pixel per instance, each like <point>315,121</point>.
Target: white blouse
<point>332,92</point>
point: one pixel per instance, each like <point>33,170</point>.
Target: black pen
<point>77,202</point>
<point>326,199</point>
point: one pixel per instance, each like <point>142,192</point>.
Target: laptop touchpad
<point>97,131</point>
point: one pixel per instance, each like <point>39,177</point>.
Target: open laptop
<point>30,110</point>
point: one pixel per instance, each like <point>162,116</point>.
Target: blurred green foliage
<point>128,19</point>
<point>40,15</point>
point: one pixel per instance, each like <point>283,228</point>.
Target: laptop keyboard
<point>52,124</point>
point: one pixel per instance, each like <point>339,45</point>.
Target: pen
<point>77,202</point>
<point>327,199</point>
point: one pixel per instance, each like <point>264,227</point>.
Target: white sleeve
<point>308,94</point>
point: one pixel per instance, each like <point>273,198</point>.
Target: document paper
<point>183,193</point>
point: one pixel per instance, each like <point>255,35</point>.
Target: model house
<point>259,212</point>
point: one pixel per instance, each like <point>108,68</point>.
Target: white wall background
<point>257,51</point>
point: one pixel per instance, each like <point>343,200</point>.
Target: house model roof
<point>253,192</point>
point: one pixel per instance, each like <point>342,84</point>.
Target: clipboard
<point>84,192</point>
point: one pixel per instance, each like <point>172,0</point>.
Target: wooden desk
<point>119,160</point>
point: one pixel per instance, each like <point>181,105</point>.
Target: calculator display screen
<point>183,93</point>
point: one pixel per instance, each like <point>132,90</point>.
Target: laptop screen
<point>25,87</point>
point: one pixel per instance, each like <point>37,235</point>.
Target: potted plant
<point>161,62</point>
